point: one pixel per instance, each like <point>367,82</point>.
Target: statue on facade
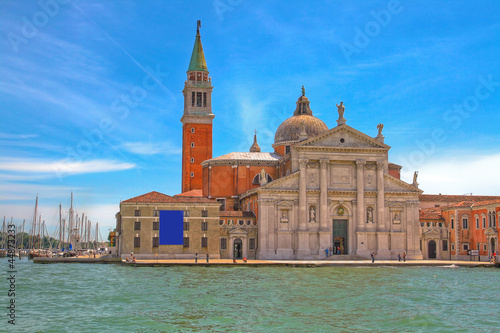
<point>263,177</point>
<point>415,175</point>
<point>396,218</point>
<point>303,91</point>
<point>380,127</point>
<point>369,215</point>
<point>284,217</point>
<point>312,214</point>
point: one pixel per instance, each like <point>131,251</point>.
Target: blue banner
<point>171,227</point>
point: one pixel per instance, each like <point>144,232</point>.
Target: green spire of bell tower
<point>198,62</point>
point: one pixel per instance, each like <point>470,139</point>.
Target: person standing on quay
<point>404,256</point>
<point>207,256</point>
<point>196,257</point>
<point>326,252</point>
<point>399,256</point>
<point>373,256</point>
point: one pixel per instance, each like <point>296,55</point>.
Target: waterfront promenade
<point>239,262</point>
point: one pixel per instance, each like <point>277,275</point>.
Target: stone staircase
<point>344,257</point>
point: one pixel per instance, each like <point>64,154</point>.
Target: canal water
<point>114,298</point>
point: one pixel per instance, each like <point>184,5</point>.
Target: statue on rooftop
<point>303,91</point>
<point>380,127</point>
<point>341,109</point>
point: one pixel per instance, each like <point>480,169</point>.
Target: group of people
<point>404,257</point>
<point>330,251</point>
<point>196,257</point>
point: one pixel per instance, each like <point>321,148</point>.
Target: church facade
<point>319,188</point>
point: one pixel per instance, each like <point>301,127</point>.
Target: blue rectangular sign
<point>171,227</point>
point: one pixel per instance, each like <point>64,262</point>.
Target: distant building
<point>138,226</point>
<point>458,224</point>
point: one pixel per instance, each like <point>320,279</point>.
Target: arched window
<point>192,129</point>
<point>192,144</point>
<point>192,160</point>
<point>192,174</point>
<point>256,179</point>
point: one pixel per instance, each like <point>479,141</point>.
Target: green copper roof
<point>198,62</point>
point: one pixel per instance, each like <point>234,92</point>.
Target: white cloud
<point>463,174</point>
<point>62,167</point>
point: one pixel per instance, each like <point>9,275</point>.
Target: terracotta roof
<point>470,204</point>
<point>431,214</point>
<point>247,156</point>
<point>455,198</point>
<point>192,193</point>
<point>229,213</point>
<point>157,197</point>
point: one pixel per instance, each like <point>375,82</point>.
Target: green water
<point>113,298</point>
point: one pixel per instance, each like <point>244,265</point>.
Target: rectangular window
<point>137,212</point>
<point>466,246</point>
<point>453,246</point>
<point>494,220</point>
<point>484,222</point>
<point>204,100</point>
<point>192,98</point>
<point>187,213</point>
<point>186,242</point>
<point>204,213</point>
<point>186,226</point>
<point>465,223</point>
<point>204,226</point>
<point>445,245</point>
<point>156,225</point>
<point>484,247</point>
<point>478,247</point>
<point>287,149</point>
<point>251,244</point>
<point>477,222</point>
<point>223,243</point>
<point>137,225</point>
<point>452,223</point>
<point>137,241</point>
<point>204,242</point>
<point>156,241</point>
<point>222,203</point>
<point>198,99</point>
<point>156,213</point>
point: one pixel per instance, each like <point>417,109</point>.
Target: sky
<point>91,91</point>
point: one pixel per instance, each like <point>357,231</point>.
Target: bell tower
<point>197,118</point>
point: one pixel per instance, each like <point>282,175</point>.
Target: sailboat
<point>3,249</point>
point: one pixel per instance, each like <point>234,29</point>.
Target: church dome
<point>291,128</point>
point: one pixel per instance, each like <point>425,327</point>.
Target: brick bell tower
<point>197,118</point>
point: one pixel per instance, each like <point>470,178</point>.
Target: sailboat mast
<point>32,242</point>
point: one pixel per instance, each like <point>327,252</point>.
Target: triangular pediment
<point>490,231</point>
<point>237,231</point>
<point>432,233</point>
<point>290,182</point>
<point>343,136</point>
<point>393,184</point>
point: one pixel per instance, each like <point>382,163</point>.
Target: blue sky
<point>80,111</point>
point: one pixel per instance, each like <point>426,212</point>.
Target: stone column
<point>303,251</point>
<point>383,238</point>
<point>324,233</point>
<point>303,195</point>
<point>380,197</point>
<point>323,203</point>
<point>360,188</point>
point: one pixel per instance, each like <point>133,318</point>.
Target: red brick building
<point>458,224</point>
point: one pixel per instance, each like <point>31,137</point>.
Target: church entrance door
<point>340,245</point>
<point>432,249</point>
<point>238,249</point>
<point>492,245</point>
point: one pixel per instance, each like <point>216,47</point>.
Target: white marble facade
<point>338,193</point>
